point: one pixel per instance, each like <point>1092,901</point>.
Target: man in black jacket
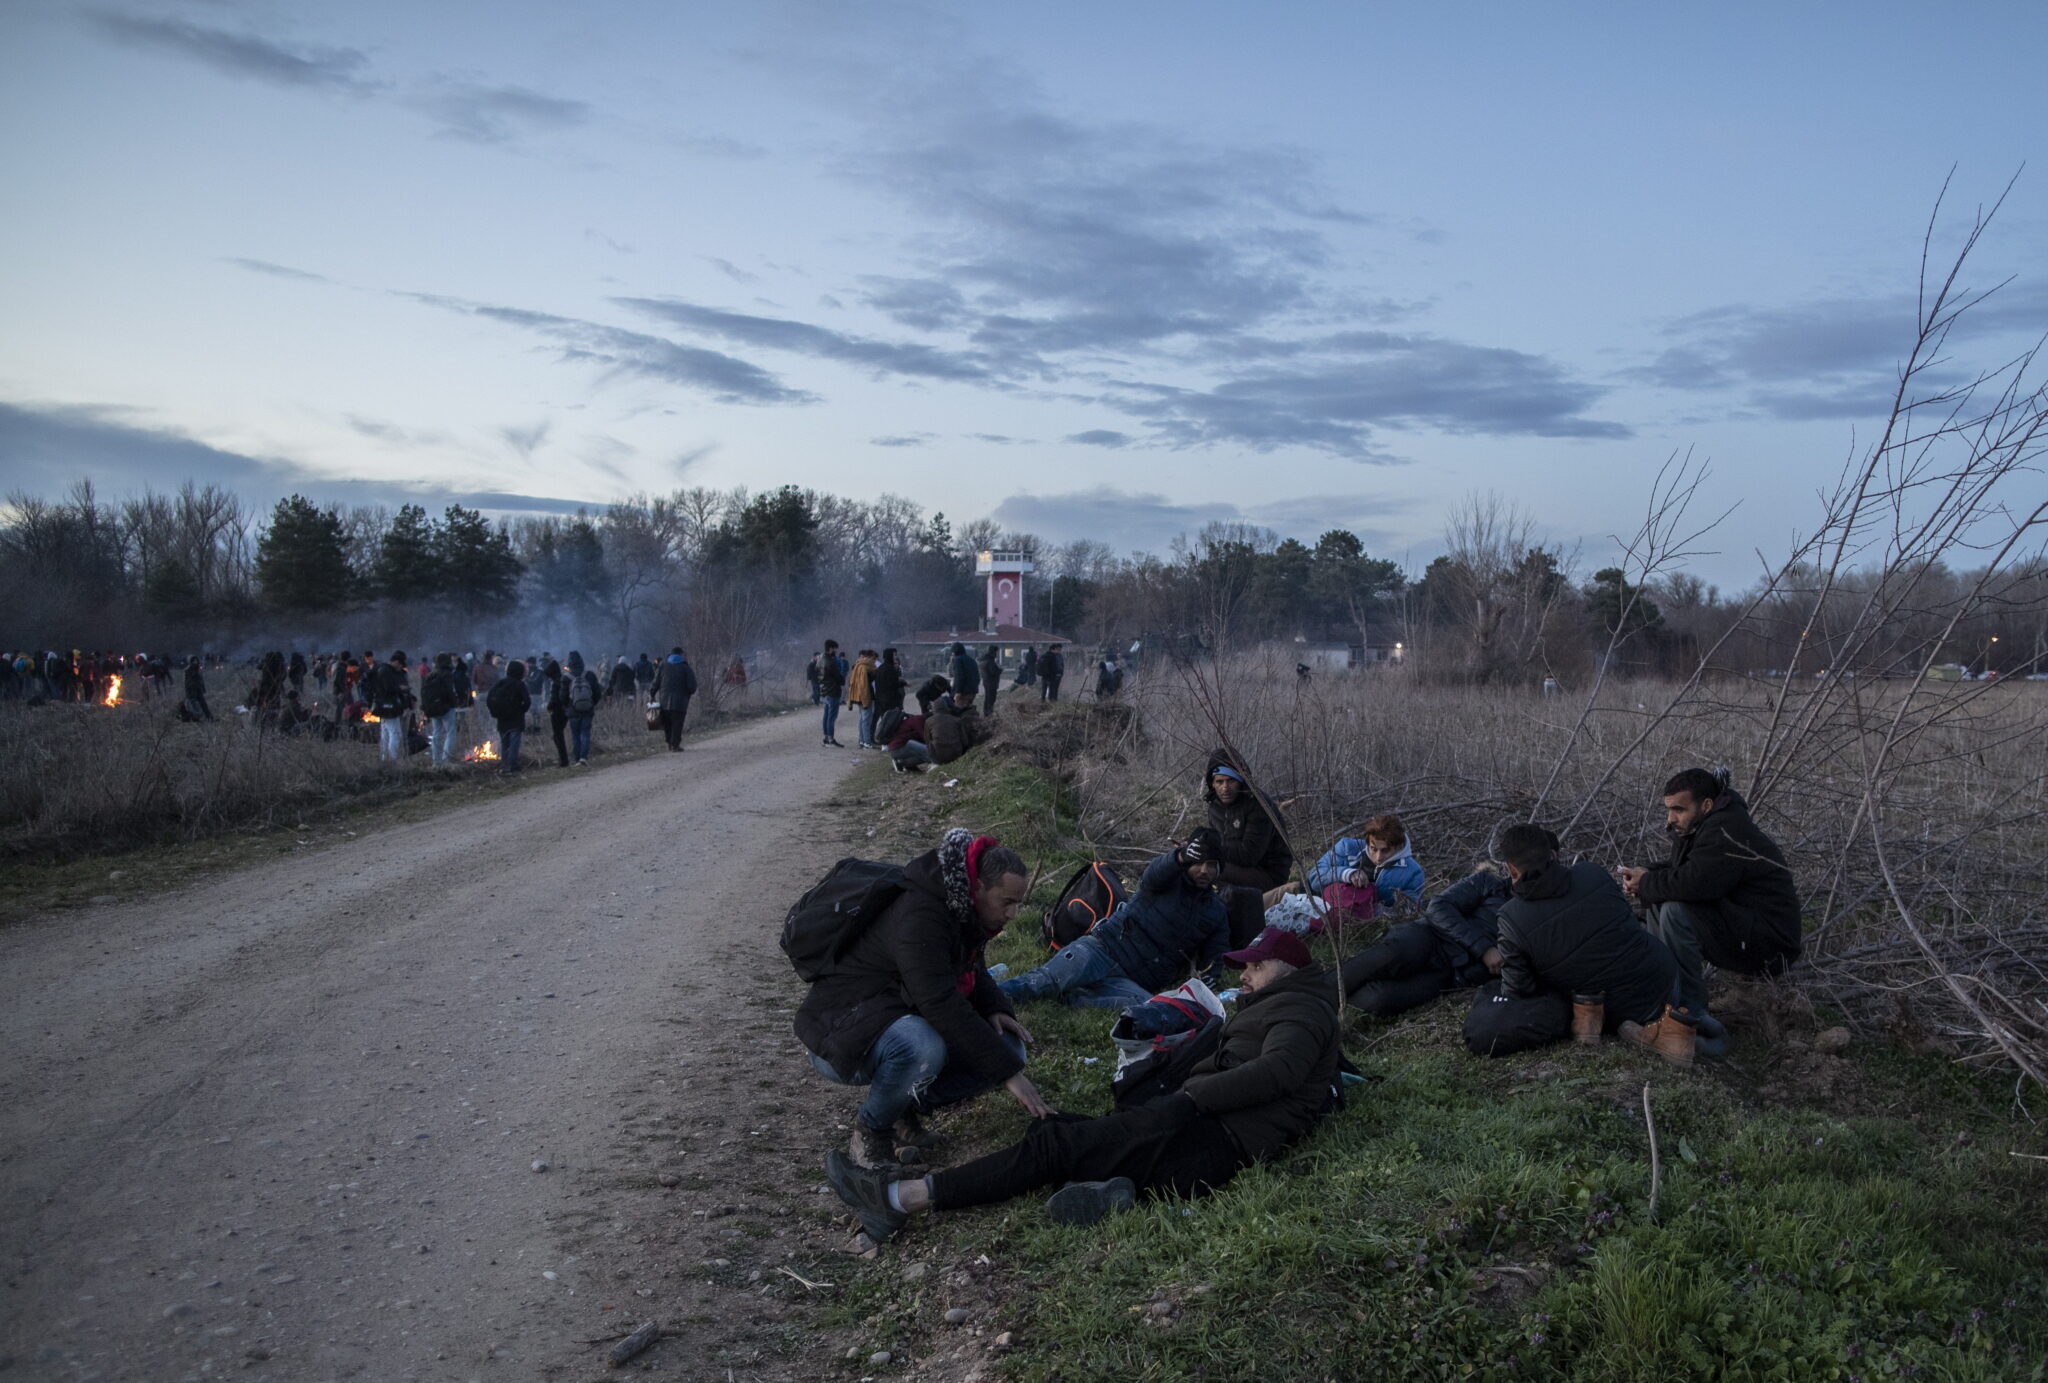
<point>1450,948</point>
<point>674,685</point>
<point>964,673</point>
<point>887,684</point>
<point>1051,668</point>
<point>910,1010</point>
<point>831,687</point>
<point>1725,897</point>
<point>991,669</point>
<point>1271,1077</point>
<point>437,706</point>
<point>1255,849</point>
<point>1573,959</point>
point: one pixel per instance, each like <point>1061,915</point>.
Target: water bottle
<point>998,970</point>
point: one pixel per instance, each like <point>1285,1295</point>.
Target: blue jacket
<point>1167,920</point>
<point>1401,874</point>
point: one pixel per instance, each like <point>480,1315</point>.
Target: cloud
<point>1144,522</point>
<point>802,338</point>
<point>242,55</point>
<point>730,269</point>
<point>998,439</point>
<point>1101,437</point>
<point>910,439</point>
<point>526,440</point>
<point>496,114</point>
<point>282,271</point>
<point>605,240</point>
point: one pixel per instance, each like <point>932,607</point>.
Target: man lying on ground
<point>1144,946</point>
<point>1452,947</point>
<point>910,1011</point>
<point>1267,1083</point>
<point>1573,960</point>
<point>1725,897</point>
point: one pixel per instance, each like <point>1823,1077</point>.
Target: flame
<point>113,696</point>
<point>483,753</point>
<point>369,719</point>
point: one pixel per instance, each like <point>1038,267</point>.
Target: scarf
<point>960,867</point>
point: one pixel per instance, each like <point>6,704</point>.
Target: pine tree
<point>479,567</point>
<point>301,559</point>
<point>408,563</point>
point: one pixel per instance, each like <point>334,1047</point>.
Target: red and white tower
<point>1005,572</point>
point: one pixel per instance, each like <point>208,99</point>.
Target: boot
<point>1589,1018</point>
<point>915,1142</point>
<point>873,1148</point>
<point>1672,1037</point>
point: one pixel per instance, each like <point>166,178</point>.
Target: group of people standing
<point>1553,948</point>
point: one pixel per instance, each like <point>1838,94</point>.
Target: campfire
<point>369,719</point>
<point>483,753</point>
<point>113,696</point>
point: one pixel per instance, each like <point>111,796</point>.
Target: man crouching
<point>1270,1079</point>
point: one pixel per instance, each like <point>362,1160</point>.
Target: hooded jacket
<point>1168,919</point>
<point>1569,929</point>
<point>964,673</point>
<point>643,672</point>
<point>675,684</point>
<point>1402,874</point>
<point>1729,860</point>
<point>1255,855</point>
<point>920,956</point>
<point>887,684</point>
<point>949,733</point>
<point>858,692</point>
<point>1274,1072</point>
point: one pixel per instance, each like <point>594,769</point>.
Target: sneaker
<point>866,1193</point>
<point>1086,1202</point>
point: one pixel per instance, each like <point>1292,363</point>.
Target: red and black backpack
<point>1091,895</point>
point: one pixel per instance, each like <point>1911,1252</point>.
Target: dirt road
<point>285,1124</point>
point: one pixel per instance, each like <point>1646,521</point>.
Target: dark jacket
<point>643,672</point>
<point>622,680</point>
<point>1729,860</point>
<point>508,702</point>
<point>831,676</point>
<point>932,689</point>
<point>1255,855</point>
<point>917,958</point>
<point>437,694</point>
<point>195,683</point>
<point>887,683</point>
<point>1569,929</point>
<point>1168,919</point>
<point>1466,920</point>
<point>1273,1075</point>
<point>675,684</point>
<point>912,728</point>
<point>1027,668</point>
<point>1052,666</point>
<point>951,733</point>
<point>964,673</point>
<point>390,690</point>
<point>991,668</point>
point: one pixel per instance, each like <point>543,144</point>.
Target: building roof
<point>1002,633</point>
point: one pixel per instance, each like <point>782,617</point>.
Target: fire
<point>483,753</point>
<point>113,696</point>
<point>369,719</point>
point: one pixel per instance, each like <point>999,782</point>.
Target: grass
<point>1468,1219</point>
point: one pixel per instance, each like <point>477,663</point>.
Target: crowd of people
<point>1552,949</point>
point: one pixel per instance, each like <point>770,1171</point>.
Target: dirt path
<point>284,1124</point>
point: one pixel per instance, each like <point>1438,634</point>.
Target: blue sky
<point>1098,270</point>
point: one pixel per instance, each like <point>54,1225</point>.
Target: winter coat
<point>858,692</point>
<point>622,679</point>
<point>912,728</point>
<point>508,702</point>
<point>195,683</point>
<point>1255,854</point>
<point>389,687</point>
<point>1052,666</point>
<point>1569,929</point>
<point>991,668</point>
<point>1729,860</point>
<point>917,957</point>
<point>1027,670</point>
<point>888,686</point>
<point>643,672</point>
<point>1466,920</point>
<point>554,689</point>
<point>831,677</point>
<point>437,694</point>
<point>931,691</point>
<point>483,677</point>
<point>1274,1073</point>
<point>1168,919</point>
<point>952,733</point>
<point>1401,874</point>
<point>964,673</point>
<point>675,684</point>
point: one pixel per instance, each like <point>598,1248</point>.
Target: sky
<point>1101,270</point>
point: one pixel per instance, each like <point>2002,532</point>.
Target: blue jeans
<point>908,1066</point>
<point>441,737</point>
<point>831,717</point>
<point>867,724</point>
<point>509,742</point>
<point>1082,975</point>
<point>579,737</point>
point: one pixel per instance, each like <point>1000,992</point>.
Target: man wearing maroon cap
<point>1272,1076</point>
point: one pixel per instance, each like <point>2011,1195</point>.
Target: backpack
<point>1091,895</point>
<point>831,917</point>
<point>437,696</point>
<point>498,701</point>
<point>582,695</point>
<point>1165,1062</point>
<point>886,727</point>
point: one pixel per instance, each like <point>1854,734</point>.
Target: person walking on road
<point>674,684</point>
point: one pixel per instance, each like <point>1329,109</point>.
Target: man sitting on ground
<point>1255,850</point>
<point>954,727</point>
<point>1268,1082</point>
<point>1452,947</point>
<point>1724,898</point>
<point>1573,960</point>
<point>910,1011</point>
<point>1143,947</point>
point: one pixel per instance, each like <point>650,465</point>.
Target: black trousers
<point>990,687</point>
<point>1404,969</point>
<point>558,721</point>
<point>1499,1025</point>
<point>1049,689</point>
<point>1162,1146</point>
<point>672,724</point>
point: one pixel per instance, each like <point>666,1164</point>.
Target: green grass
<point>1791,1243</point>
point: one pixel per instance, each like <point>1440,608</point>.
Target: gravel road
<point>285,1123</point>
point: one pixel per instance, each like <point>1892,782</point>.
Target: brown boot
<point>1671,1037</point>
<point>1589,1018</point>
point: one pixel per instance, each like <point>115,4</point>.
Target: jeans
<point>913,754</point>
<point>831,717</point>
<point>579,737</point>
<point>1082,975</point>
<point>391,734</point>
<point>441,737</point>
<point>508,741</point>
<point>867,725</point>
<point>1162,1146</point>
<point>909,1065</point>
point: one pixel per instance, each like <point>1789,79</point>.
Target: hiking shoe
<point>1086,1202</point>
<point>873,1148</point>
<point>1589,1018</point>
<point>1673,1037</point>
<point>866,1192</point>
<point>912,1137</point>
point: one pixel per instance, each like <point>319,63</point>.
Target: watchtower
<point>1005,572</point>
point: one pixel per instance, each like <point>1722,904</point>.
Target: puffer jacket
<point>675,682</point>
<point>951,733</point>
<point>1569,929</point>
<point>1274,1073</point>
<point>964,673</point>
<point>1401,874</point>
<point>917,957</point>
<point>1255,855</point>
<point>1466,919</point>
<point>888,686</point>
<point>1168,919</point>
<point>1729,860</point>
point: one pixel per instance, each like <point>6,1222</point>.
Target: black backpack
<point>437,696</point>
<point>1166,1067</point>
<point>832,916</point>
<point>888,724</point>
<point>500,702</point>
<point>1091,895</point>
